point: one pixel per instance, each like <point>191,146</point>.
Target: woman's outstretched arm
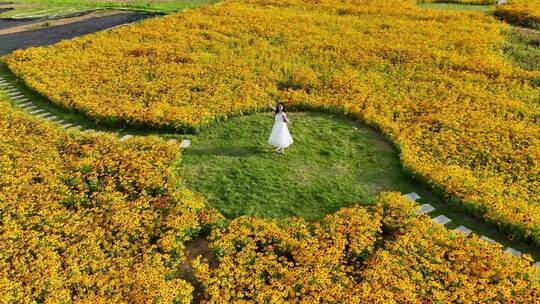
<point>273,108</point>
<point>285,118</point>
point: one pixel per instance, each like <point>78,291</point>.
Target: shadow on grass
<point>239,151</point>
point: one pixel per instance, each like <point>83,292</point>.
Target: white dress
<point>280,136</point>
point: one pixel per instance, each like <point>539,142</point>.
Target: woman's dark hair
<point>277,108</point>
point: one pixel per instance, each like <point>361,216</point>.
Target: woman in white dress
<point>280,136</point>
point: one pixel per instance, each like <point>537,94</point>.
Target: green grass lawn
<point>522,46</point>
<point>487,9</point>
<point>334,162</point>
<point>330,165</point>
<point>25,8</point>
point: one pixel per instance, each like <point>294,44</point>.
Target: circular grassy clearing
<point>334,162</point>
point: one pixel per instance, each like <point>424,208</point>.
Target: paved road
<point>54,34</point>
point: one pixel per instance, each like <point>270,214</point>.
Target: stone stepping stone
<point>412,196</point>
<point>51,118</point>
<point>43,115</point>
<point>61,121</point>
<point>513,251</point>
<point>30,108</point>
<point>486,239</point>
<point>185,143</point>
<point>15,94</point>
<point>537,264</point>
<point>25,104</point>
<point>126,137</point>
<point>88,131</point>
<point>67,125</point>
<point>77,127</point>
<point>441,219</point>
<point>37,111</point>
<point>11,90</point>
<point>173,140</point>
<point>425,208</point>
<point>463,229</point>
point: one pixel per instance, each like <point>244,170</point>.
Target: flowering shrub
<point>465,119</point>
<point>87,219</point>
<point>520,12</point>
<point>385,253</point>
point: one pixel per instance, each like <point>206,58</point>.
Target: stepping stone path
<point>513,251</point>
<point>425,208</point>
<point>463,229</point>
<point>413,196</point>
<point>486,239</point>
<point>126,137</point>
<point>185,143</point>
<point>441,219</point>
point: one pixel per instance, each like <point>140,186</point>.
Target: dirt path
<point>55,34</point>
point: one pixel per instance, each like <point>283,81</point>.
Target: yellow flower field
<point>85,219</point>
<point>464,119</point>
<point>521,12</point>
<point>385,254</point>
